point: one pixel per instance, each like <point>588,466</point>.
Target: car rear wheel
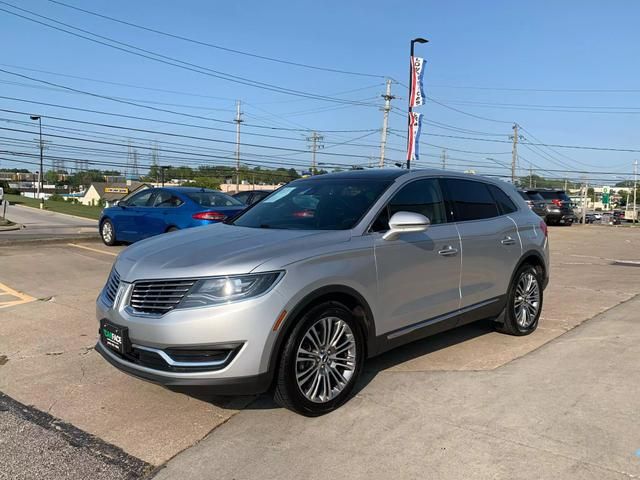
<point>172,229</point>
<point>524,303</point>
<point>108,233</point>
<point>321,361</point>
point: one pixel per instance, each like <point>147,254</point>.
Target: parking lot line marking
<point>7,291</point>
<point>92,249</point>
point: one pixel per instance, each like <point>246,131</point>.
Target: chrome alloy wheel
<point>107,232</point>
<point>527,300</point>
<point>326,359</point>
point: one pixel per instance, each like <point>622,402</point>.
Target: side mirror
<point>406,222</point>
<point>121,204</point>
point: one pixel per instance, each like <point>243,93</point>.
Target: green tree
<point>204,182</point>
<point>51,177</point>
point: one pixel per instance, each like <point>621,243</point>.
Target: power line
<point>166,59</point>
<point>466,113</point>
<point>167,122</point>
<point>177,92</point>
<point>201,138</point>
<point>554,90</point>
<point>219,47</point>
<point>552,108</point>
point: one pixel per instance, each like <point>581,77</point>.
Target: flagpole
<point>413,42</point>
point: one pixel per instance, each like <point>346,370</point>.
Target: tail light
<point>213,216</point>
<point>544,228</point>
<point>556,202</point>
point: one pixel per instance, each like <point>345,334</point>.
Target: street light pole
<point>413,42</point>
<point>41,174</point>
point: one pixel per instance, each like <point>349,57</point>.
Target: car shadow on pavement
<point>372,367</point>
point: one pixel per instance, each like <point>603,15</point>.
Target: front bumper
<point>159,343</point>
<point>248,385</point>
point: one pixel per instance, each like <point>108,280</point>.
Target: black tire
<point>508,323</point>
<point>287,392</point>
<point>108,233</point>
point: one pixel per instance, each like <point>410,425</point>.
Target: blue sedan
<point>159,210</point>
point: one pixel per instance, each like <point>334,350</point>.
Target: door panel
<point>133,222</point>
<point>490,242</point>
<point>490,251</point>
<point>418,273</point>
<point>415,281</point>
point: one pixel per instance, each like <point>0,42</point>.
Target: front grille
<point>111,288</point>
<point>158,296</point>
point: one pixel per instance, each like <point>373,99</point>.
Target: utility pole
<point>530,176</point>
<point>444,158</point>
<point>584,200</point>
<point>635,187</point>
<point>385,122</point>
<point>38,118</point>
<point>238,121</point>
<point>315,140</point>
<point>514,153</point>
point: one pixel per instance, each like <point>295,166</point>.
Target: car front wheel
<point>108,233</point>
<point>524,303</point>
<point>321,361</point>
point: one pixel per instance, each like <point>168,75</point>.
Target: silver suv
<point>295,293</point>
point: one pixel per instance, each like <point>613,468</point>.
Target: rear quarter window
<point>505,204</point>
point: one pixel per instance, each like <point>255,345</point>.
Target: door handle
<point>448,251</point>
<point>508,241</point>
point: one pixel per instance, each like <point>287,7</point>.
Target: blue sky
<point>476,51</point>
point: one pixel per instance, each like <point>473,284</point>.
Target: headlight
<point>218,290</point>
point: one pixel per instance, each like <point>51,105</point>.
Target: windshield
<point>213,199</point>
<point>318,204</point>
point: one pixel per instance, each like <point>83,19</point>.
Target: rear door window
<point>470,200</point>
<point>165,199</point>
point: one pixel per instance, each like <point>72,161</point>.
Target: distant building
<point>110,193</point>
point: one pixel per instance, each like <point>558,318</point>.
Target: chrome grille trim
<point>110,290</point>
<point>158,296</point>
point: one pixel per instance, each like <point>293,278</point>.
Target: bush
<point>56,198</point>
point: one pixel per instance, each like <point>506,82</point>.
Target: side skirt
<point>479,311</point>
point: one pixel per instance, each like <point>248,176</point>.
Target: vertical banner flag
<point>415,122</point>
<point>417,90</point>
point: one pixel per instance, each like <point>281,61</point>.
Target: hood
<point>217,249</point>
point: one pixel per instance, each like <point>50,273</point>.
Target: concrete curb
<point>56,213</point>
<point>89,237</point>
<point>10,228</point>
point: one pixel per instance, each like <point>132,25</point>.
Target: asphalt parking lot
<point>466,402</point>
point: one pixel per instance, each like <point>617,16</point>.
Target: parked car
<point>535,202</point>
<point>298,290</point>
<point>158,210</point>
<point>559,211</point>
<point>251,196</point>
<point>588,218</point>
